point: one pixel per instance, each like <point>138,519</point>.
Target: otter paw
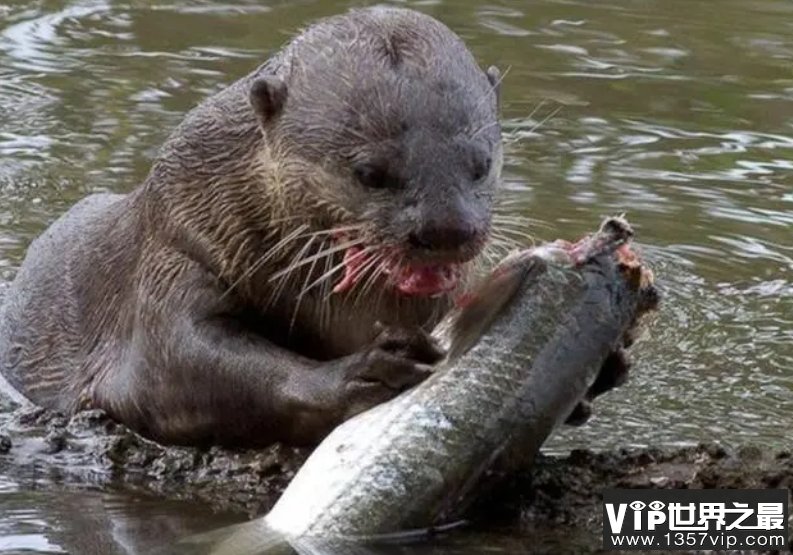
<point>613,373</point>
<point>580,414</point>
<point>397,360</point>
<point>396,373</point>
<point>378,377</point>
<point>410,343</point>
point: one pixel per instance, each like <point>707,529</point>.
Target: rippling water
<point>93,523</point>
<point>678,112</point>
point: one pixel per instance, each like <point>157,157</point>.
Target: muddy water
<point>60,520</point>
<point>675,111</point>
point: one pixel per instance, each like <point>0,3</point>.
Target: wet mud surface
<point>563,494</point>
<point>559,499</point>
<point>40,446</point>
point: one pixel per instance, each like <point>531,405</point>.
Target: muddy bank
<point>563,494</point>
<point>560,493</point>
<point>90,449</point>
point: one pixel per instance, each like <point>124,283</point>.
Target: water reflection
<point>93,523</point>
<point>59,519</point>
<point>507,541</point>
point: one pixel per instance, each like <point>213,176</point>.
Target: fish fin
<point>488,300</point>
<point>248,538</point>
<point>414,534</point>
<point>369,545</point>
<point>319,546</point>
<point>256,538</point>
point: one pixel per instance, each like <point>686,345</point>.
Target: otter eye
<point>375,176</point>
<point>481,168</point>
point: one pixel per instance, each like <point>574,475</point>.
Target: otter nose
<point>443,237</point>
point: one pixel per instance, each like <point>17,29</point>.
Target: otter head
<point>387,131</point>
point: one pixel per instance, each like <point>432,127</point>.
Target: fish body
<point>521,353</point>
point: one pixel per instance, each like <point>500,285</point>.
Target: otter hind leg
<point>46,310</point>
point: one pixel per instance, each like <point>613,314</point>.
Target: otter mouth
<point>409,278</point>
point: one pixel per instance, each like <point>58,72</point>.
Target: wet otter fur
<point>276,271</point>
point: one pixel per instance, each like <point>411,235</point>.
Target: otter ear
<point>494,76</point>
<point>268,96</point>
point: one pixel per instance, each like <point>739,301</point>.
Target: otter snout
<point>444,237</point>
<point>447,228</point>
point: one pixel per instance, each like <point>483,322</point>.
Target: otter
<point>279,269</point>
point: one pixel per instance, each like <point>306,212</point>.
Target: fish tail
<point>257,538</point>
<point>248,538</point>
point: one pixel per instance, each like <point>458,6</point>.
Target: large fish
<point>522,351</point>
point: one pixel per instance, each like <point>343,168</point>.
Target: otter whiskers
<point>280,245</point>
<point>281,283</point>
<point>495,86</point>
<point>305,257</point>
<point>302,293</point>
<point>328,274</point>
<point>518,236</point>
<point>375,267</point>
<point>299,262</point>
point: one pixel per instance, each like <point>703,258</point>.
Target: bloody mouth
<point>408,278</point>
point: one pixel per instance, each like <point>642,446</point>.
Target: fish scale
<point>427,446</point>
<point>522,353</point>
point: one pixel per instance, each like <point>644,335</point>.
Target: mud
<point>558,496</point>
<point>37,446</point>
<point>562,494</point>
